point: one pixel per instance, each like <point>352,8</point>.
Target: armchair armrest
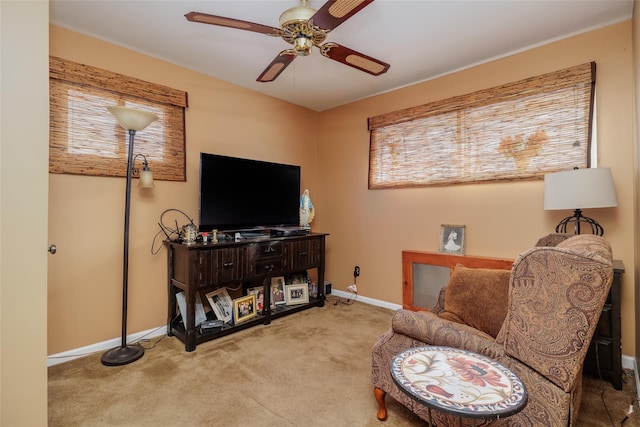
<point>427,327</point>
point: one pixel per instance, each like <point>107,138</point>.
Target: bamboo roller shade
<point>86,139</point>
<point>518,130</point>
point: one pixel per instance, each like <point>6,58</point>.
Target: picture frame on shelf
<point>296,294</point>
<point>244,308</point>
<point>313,289</point>
<point>452,239</point>
<point>221,304</point>
<point>200,315</point>
<point>258,291</point>
<point>297,279</point>
<point>277,291</point>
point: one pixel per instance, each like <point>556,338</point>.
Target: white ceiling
<point>421,39</point>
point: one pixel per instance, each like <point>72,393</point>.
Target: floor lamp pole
<point>125,353</point>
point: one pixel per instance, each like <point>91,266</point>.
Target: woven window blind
<point>86,139</point>
<point>519,130</point>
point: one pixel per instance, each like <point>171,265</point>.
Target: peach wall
<point>368,228</point>
<point>371,228</point>
<point>86,213</point>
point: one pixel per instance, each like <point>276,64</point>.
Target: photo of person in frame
<point>277,291</point>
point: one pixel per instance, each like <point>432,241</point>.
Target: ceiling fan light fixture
<point>302,45</point>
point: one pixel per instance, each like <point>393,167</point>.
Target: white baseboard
<point>66,356</point>
<point>628,362</point>
<point>366,300</point>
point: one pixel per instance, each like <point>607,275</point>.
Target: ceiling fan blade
<point>335,12</point>
<point>277,66</point>
<point>354,59</point>
<point>205,18</point>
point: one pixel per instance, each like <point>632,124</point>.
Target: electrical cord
<point>139,340</point>
<point>354,292</point>
<point>604,403</point>
<point>169,232</point>
<point>347,301</point>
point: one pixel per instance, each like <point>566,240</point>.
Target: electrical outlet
<point>356,271</point>
<point>352,288</point>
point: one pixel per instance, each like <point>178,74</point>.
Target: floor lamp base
<point>122,355</point>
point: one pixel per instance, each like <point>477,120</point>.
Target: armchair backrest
<point>556,295</point>
<point>553,239</point>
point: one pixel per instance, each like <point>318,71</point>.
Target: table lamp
<point>579,189</point>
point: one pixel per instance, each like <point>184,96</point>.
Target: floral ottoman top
<point>459,382</point>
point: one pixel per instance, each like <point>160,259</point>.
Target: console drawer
<point>268,250</point>
<point>223,265</point>
<point>269,266</point>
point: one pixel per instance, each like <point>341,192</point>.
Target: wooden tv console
<point>238,265</point>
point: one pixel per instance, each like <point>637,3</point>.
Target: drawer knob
<point>269,250</point>
<point>269,267</point>
<point>227,265</point>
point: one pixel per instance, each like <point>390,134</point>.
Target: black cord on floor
<point>604,403</point>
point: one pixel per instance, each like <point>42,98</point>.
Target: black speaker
<point>327,287</point>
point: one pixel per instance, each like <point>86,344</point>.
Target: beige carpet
<point>308,369</point>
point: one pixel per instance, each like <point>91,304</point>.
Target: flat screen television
<point>240,193</point>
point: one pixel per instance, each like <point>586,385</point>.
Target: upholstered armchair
<point>537,320</point>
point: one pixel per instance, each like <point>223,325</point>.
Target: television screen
<point>240,193</point>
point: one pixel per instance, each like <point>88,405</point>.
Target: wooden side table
<point>604,358</point>
<point>458,382</point>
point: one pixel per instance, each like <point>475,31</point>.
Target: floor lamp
<point>579,189</point>
<point>132,120</point>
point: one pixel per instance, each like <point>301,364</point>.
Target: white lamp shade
<point>579,189</point>
<point>146,179</point>
<point>132,119</point>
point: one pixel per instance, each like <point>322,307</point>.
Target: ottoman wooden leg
<point>382,409</point>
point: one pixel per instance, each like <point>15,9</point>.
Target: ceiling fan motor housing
<point>296,14</point>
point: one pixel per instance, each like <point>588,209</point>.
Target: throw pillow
<point>477,297</point>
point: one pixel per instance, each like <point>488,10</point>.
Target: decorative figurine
<point>307,212</point>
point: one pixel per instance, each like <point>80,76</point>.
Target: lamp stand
<point>576,219</point>
<point>125,353</point>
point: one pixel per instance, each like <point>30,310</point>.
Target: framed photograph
<point>296,294</point>
<point>277,291</point>
<point>452,239</point>
<point>258,291</point>
<point>244,308</point>
<point>200,315</point>
<point>221,303</point>
<point>297,279</point>
<point>313,290</point>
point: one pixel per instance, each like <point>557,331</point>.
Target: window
<point>516,131</point>
<point>86,139</point>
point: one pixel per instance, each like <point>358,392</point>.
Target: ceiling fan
<point>304,27</point>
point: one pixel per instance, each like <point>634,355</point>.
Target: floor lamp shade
<point>579,189</point>
<point>133,121</point>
